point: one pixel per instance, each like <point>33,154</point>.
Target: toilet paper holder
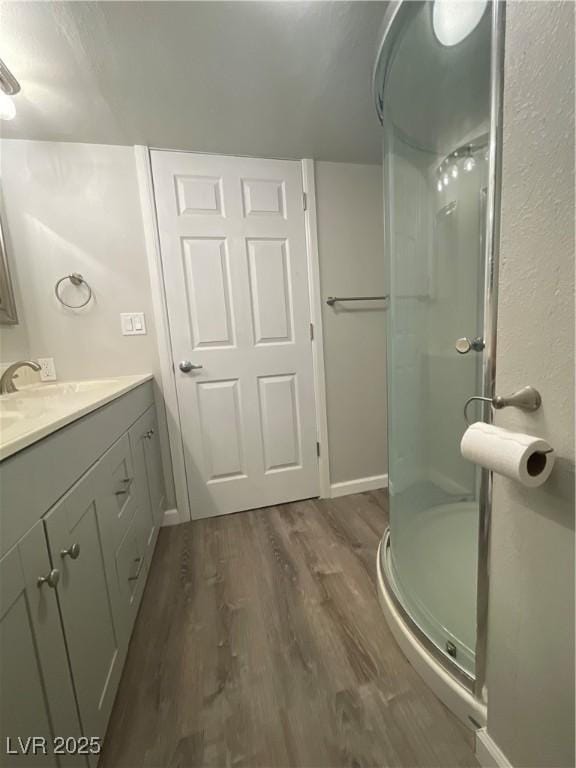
<point>527,398</point>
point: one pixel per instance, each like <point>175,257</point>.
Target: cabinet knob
<point>52,579</point>
<point>73,551</point>
<point>149,434</point>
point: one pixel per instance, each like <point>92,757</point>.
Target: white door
<point>234,257</point>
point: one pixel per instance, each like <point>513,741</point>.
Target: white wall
<point>350,241</point>
<point>531,623</point>
<point>75,208</point>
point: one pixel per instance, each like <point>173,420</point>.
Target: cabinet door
<point>154,469</point>
<point>139,439</point>
<point>86,600</point>
<point>36,694</point>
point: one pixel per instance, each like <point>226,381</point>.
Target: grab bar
<point>331,300</point>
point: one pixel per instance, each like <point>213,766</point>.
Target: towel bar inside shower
<point>331,300</point>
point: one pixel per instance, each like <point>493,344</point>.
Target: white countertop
<point>36,411</point>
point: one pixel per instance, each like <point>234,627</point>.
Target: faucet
<point>7,385</point>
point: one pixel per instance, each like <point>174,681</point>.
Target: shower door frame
<point>392,23</point>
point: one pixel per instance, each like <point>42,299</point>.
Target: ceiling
<point>272,79</point>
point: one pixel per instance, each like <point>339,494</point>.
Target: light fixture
<point>454,20</point>
<point>469,164</point>
<point>439,186</point>
<point>454,171</point>
<point>7,107</point>
<point>445,180</point>
<point>9,87</point>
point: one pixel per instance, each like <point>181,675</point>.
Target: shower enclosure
<point>437,92</point>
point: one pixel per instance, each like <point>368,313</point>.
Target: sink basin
<point>9,418</point>
<point>63,388</point>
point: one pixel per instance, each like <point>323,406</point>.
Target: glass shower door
<point>436,115</point>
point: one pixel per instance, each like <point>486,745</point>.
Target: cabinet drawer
<point>118,491</point>
<point>131,568</point>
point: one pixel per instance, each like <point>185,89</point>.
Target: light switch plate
<point>133,323</point>
<point>47,368</point>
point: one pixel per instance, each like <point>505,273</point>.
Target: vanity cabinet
<point>36,697</point>
<point>63,643</point>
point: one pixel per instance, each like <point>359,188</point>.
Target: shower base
<point>433,571</point>
<point>451,686</point>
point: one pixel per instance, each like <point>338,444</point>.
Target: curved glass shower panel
<point>436,109</point>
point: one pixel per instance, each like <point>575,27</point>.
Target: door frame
<point>183,512</point>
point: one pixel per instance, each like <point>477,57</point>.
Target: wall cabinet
<point>63,641</point>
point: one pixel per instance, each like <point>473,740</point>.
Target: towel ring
<point>76,279</point>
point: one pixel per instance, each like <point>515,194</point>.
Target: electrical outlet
<point>47,369</point>
<point>132,323</point>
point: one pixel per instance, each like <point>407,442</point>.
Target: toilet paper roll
<point>520,457</point>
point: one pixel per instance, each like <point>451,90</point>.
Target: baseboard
<point>171,517</point>
<point>358,486</point>
<point>488,753</point>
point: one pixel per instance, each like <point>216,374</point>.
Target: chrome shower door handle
<point>187,365</point>
<point>464,345</point>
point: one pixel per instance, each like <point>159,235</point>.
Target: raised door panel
<point>208,292</point>
<point>36,694</point>
<point>219,409</point>
<point>280,421</point>
<point>199,195</point>
<point>89,606</point>
<point>270,296</point>
<point>264,197</point>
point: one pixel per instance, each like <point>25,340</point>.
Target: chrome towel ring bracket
<point>77,280</point>
<point>527,398</point>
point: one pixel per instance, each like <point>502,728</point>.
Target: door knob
<point>52,579</point>
<point>186,366</point>
<point>465,344</point>
<point>72,552</point>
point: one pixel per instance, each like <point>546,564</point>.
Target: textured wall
<point>531,629</point>
<point>349,202</point>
